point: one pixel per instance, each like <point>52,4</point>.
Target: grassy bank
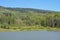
<point>29,28</point>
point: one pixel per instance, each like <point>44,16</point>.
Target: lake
<point>30,35</point>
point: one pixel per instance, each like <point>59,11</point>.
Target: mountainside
<point>28,9</point>
<point>17,17</point>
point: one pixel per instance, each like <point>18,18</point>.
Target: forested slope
<point>17,17</point>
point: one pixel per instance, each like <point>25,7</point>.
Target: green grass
<point>29,28</point>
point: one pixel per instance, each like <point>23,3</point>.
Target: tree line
<point>8,20</point>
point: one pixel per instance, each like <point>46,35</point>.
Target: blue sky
<point>39,4</point>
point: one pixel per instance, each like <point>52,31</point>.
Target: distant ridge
<point>28,9</point>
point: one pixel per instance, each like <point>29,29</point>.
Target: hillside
<point>28,9</point>
<point>21,17</point>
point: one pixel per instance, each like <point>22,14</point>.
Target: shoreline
<point>29,29</point>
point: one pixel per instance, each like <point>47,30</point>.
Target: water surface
<point>30,35</point>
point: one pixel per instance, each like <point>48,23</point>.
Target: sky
<point>38,4</point>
